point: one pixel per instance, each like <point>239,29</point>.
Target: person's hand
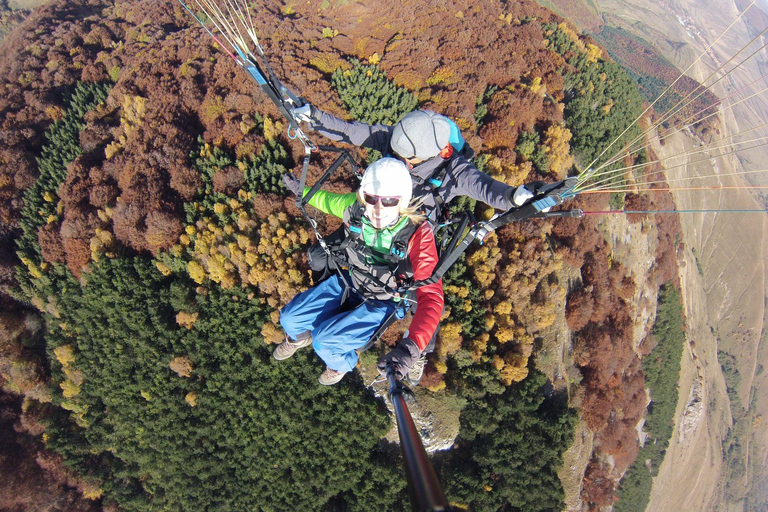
<point>303,114</point>
<point>401,357</point>
<point>524,193</point>
<point>521,196</point>
<point>292,183</point>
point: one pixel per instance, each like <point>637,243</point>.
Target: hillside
<point>716,462</point>
<point>144,225</point>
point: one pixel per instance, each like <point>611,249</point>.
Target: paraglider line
<point>672,189</point>
<point>604,212</point>
<point>210,33</point>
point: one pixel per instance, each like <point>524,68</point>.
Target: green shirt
<point>380,240</point>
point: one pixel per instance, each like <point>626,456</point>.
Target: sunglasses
<point>385,201</point>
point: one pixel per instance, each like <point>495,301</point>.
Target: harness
<point>432,185</point>
<point>379,274</point>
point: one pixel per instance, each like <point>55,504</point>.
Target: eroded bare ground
<point>722,267</point>
<point>26,4</point>
<point>723,279</point>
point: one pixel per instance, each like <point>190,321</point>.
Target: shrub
<point>370,96</point>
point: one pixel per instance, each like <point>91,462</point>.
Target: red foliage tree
<point>599,487</point>
<point>51,244</point>
<point>33,478</point>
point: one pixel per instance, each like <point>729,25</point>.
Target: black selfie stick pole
<point>423,486</point>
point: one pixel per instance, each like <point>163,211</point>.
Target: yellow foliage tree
<point>537,87</point>
<point>593,52</point>
<point>441,75</point>
<point>69,389</point>
<point>511,174</point>
<point>449,340</point>
<point>163,268</point>
<point>437,387</point>
<point>185,319</point>
<point>65,354</point>
<point>271,334</point>
<point>191,399</point>
<point>70,386</point>
<point>132,113</point>
<point>512,367</point>
<point>272,128</point>
<point>573,36</point>
<point>182,365</point>
<point>484,260</point>
<point>557,146</point>
<point>479,346</point>
<point>510,374</point>
<point>196,272</point>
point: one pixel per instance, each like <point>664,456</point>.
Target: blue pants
<point>336,334</point>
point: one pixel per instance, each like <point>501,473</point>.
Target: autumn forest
<point>148,245</point>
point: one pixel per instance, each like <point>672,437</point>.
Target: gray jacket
<point>462,177</point>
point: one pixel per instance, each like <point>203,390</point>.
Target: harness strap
<point>434,182</point>
<point>397,257</point>
<point>303,200</point>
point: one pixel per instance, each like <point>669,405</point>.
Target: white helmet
<point>388,177</point>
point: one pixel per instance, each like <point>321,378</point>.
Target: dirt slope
<point>722,272</point>
<point>724,284</point>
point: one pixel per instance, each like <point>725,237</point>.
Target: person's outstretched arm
<point>331,202</point>
<point>374,136</point>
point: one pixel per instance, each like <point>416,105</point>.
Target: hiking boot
<point>417,370</point>
<point>287,348</point>
<point>330,377</point>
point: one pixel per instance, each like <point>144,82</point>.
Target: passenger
<point>384,243</point>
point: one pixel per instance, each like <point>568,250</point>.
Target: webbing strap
<point>303,199</point>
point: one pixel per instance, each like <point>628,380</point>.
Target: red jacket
<point>422,251</point>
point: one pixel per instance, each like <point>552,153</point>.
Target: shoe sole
<point>284,357</point>
<point>330,382</point>
<point>412,382</point>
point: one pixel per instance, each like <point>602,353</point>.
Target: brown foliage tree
<point>228,180</point>
<point>431,378</point>
<point>579,307</point>
<point>163,230</point>
<point>51,244</point>
<point>599,487</point>
<point>26,484</point>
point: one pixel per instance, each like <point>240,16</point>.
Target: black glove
<point>292,183</point>
<point>402,358</point>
